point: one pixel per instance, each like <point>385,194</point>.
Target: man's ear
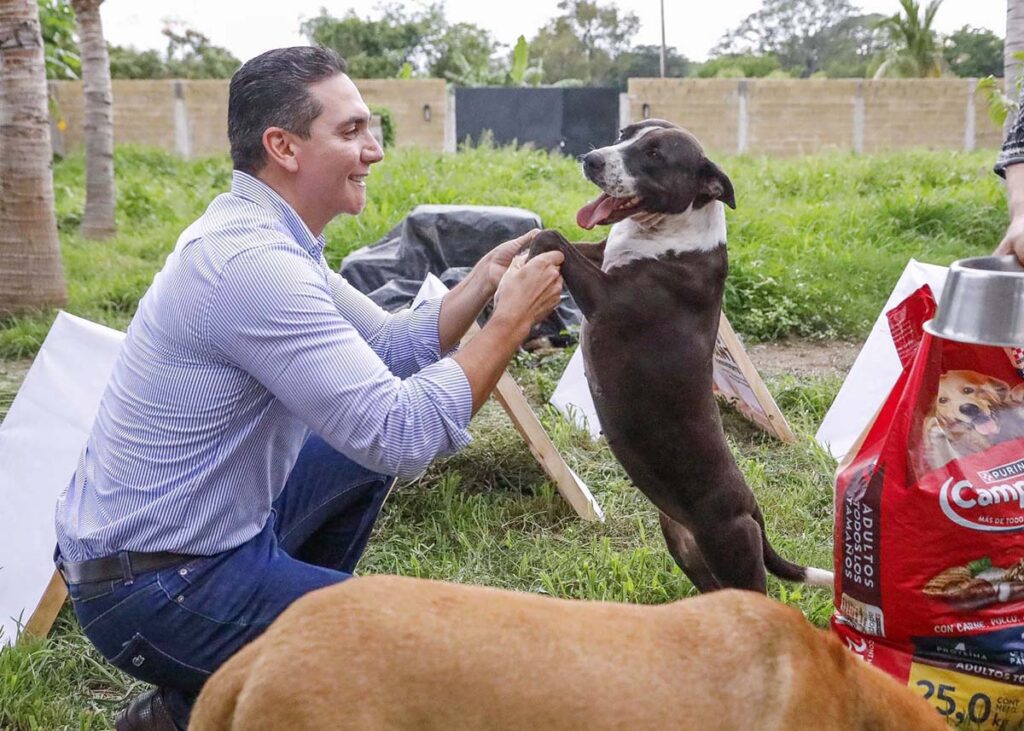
<point>715,184</point>
<point>278,145</point>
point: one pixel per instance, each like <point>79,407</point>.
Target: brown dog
<point>387,652</point>
<point>972,412</point>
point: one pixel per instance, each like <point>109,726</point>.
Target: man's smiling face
<point>335,161</point>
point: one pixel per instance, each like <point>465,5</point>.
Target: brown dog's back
<point>396,653</point>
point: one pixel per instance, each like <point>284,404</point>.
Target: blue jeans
<point>175,626</point>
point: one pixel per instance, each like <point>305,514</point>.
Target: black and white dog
<point>651,294</point>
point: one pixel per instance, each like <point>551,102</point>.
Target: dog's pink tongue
<point>986,426</point>
<point>595,212</point>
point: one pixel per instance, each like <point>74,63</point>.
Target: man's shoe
<point>147,712</point>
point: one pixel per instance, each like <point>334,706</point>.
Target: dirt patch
<point>804,357</point>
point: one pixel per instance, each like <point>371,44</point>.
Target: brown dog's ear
<point>716,185</point>
<point>1000,389</point>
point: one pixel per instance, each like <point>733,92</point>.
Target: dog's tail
<point>787,569</point>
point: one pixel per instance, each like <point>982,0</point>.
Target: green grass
<point>816,245</point>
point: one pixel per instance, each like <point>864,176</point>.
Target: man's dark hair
<point>272,90</point>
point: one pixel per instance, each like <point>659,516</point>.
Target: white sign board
<point>876,369</point>
<point>40,441</point>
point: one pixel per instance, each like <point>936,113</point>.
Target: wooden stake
<point>46,611</point>
<point>570,486</point>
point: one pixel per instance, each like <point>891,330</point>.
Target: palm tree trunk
<point>98,221</point>
<point>31,273</point>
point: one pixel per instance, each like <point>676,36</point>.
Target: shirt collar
<point>255,190</point>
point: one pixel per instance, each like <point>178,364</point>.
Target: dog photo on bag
<point>972,412</point>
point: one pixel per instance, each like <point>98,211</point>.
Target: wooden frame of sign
<point>743,387</point>
<point>569,485</point>
<point>46,611</point>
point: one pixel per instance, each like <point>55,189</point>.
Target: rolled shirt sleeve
<point>1012,151</point>
<point>275,316</point>
<point>406,341</point>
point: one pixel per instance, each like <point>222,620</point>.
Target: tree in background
<point>802,34</point>
<point>645,62</point>
<point>464,54</point>
<point>738,66</point>
<point>189,55</point>
<point>853,47</point>
<point>973,52</point>
<point>57,23</point>
<point>131,63</point>
<point>98,220</point>
<point>31,272</point>
<point>377,49</point>
<point>914,50</point>
<point>582,43</point>
<point>520,71</point>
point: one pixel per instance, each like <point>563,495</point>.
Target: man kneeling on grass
<point>260,407</point>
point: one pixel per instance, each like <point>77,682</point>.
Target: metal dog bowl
<point>982,302</point>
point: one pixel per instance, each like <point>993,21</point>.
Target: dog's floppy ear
<point>1000,390</point>
<point>715,184</point>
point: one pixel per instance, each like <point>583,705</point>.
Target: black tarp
<point>446,241</point>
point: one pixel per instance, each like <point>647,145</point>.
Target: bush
<point>387,125</point>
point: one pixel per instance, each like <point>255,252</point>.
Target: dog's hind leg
<point>733,552</point>
<point>684,549</point>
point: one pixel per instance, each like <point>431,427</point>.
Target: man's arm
<point>1013,240</point>
<point>1009,165</point>
<point>271,317</point>
<point>463,304</point>
<point>528,295</point>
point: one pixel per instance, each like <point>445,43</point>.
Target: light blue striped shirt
<point>244,342</point>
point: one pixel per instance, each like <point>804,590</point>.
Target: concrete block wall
<point>758,116</point>
<point>802,116</point>
<point>189,117</point>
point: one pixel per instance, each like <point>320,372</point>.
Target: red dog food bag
<point>929,528</point>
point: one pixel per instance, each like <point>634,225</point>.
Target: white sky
<point>249,27</point>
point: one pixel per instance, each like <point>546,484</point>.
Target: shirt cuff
<point>447,386</point>
<point>1006,161</point>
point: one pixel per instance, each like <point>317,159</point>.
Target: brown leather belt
<point>125,566</point>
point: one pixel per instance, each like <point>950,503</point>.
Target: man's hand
<point>1013,241</point>
<point>495,262</point>
<point>531,291</point>
<point>528,294</point>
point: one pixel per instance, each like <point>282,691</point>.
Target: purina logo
<point>993,509</point>
<point>1002,472</point>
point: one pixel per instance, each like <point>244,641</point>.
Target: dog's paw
<point>547,240</point>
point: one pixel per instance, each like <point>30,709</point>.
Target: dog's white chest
<point>700,230</point>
